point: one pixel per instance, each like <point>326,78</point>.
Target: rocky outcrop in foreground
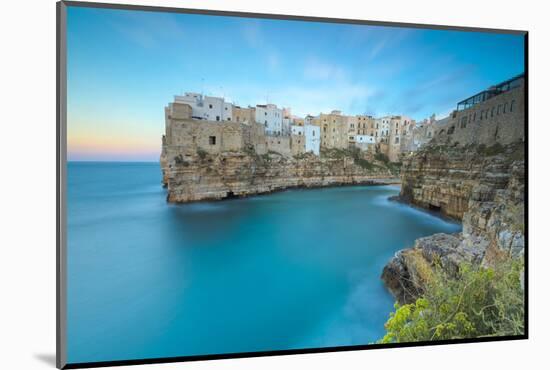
<point>201,176</point>
<point>482,186</point>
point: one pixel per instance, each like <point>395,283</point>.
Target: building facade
<point>312,134</point>
<point>334,130</point>
<point>495,115</point>
<point>271,117</point>
<point>244,115</point>
<point>208,108</point>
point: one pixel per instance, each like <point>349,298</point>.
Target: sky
<point>125,66</point>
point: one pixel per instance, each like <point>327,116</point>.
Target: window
<point>512,105</point>
<point>396,131</point>
<point>217,118</point>
<point>481,115</point>
<point>265,113</point>
<point>225,108</point>
<point>212,140</point>
<point>463,121</point>
<point>498,109</point>
<point>313,133</point>
<point>397,140</point>
<point>210,106</point>
<point>504,109</point>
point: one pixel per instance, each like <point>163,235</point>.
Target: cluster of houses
<point>390,135</point>
<point>208,123</point>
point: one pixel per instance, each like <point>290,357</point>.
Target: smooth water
<point>295,269</point>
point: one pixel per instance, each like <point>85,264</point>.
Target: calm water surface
<point>295,269</point>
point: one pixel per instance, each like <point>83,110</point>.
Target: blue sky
<point>125,66</point>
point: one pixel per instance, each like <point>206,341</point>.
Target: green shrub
<point>494,149</point>
<point>363,163</point>
<point>381,157</point>
<point>201,153</point>
<point>478,302</point>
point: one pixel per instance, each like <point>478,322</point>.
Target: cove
<point>289,270</point>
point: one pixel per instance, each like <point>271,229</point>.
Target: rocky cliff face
<point>201,176</point>
<point>443,177</point>
<point>482,186</point>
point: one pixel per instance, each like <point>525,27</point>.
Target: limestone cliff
<point>195,176</point>
<point>484,187</point>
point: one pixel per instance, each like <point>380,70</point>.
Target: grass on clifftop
<point>479,302</point>
<point>380,161</point>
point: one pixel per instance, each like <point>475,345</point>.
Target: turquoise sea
<point>290,270</point>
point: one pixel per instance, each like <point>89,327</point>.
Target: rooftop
<point>490,92</point>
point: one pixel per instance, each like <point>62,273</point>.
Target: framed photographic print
<point>237,185</point>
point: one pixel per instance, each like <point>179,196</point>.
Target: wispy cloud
<point>318,70</point>
<point>388,40</point>
<point>148,30</point>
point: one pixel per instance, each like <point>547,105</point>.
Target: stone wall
<point>298,144</point>
<point>500,119</point>
<point>208,136</point>
<point>279,144</point>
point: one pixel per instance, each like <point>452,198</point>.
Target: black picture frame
<point>61,185</point>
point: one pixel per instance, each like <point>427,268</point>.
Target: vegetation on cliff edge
<point>478,302</point>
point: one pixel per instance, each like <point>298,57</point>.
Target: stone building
<point>352,122</point>
<point>280,144</point>
<point>193,135</point>
<point>333,130</point>
<point>495,115</point>
<point>244,115</point>
<point>297,144</point>
<point>400,131</point>
<point>297,121</point>
<point>365,125</point>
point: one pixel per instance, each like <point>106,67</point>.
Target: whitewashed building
<point>286,125</point>
<point>382,129</point>
<point>312,135</point>
<point>364,142</point>
<point>271,117</point>
<point>364,139</point>
<point>207,107</point>
<point>297,130</point>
